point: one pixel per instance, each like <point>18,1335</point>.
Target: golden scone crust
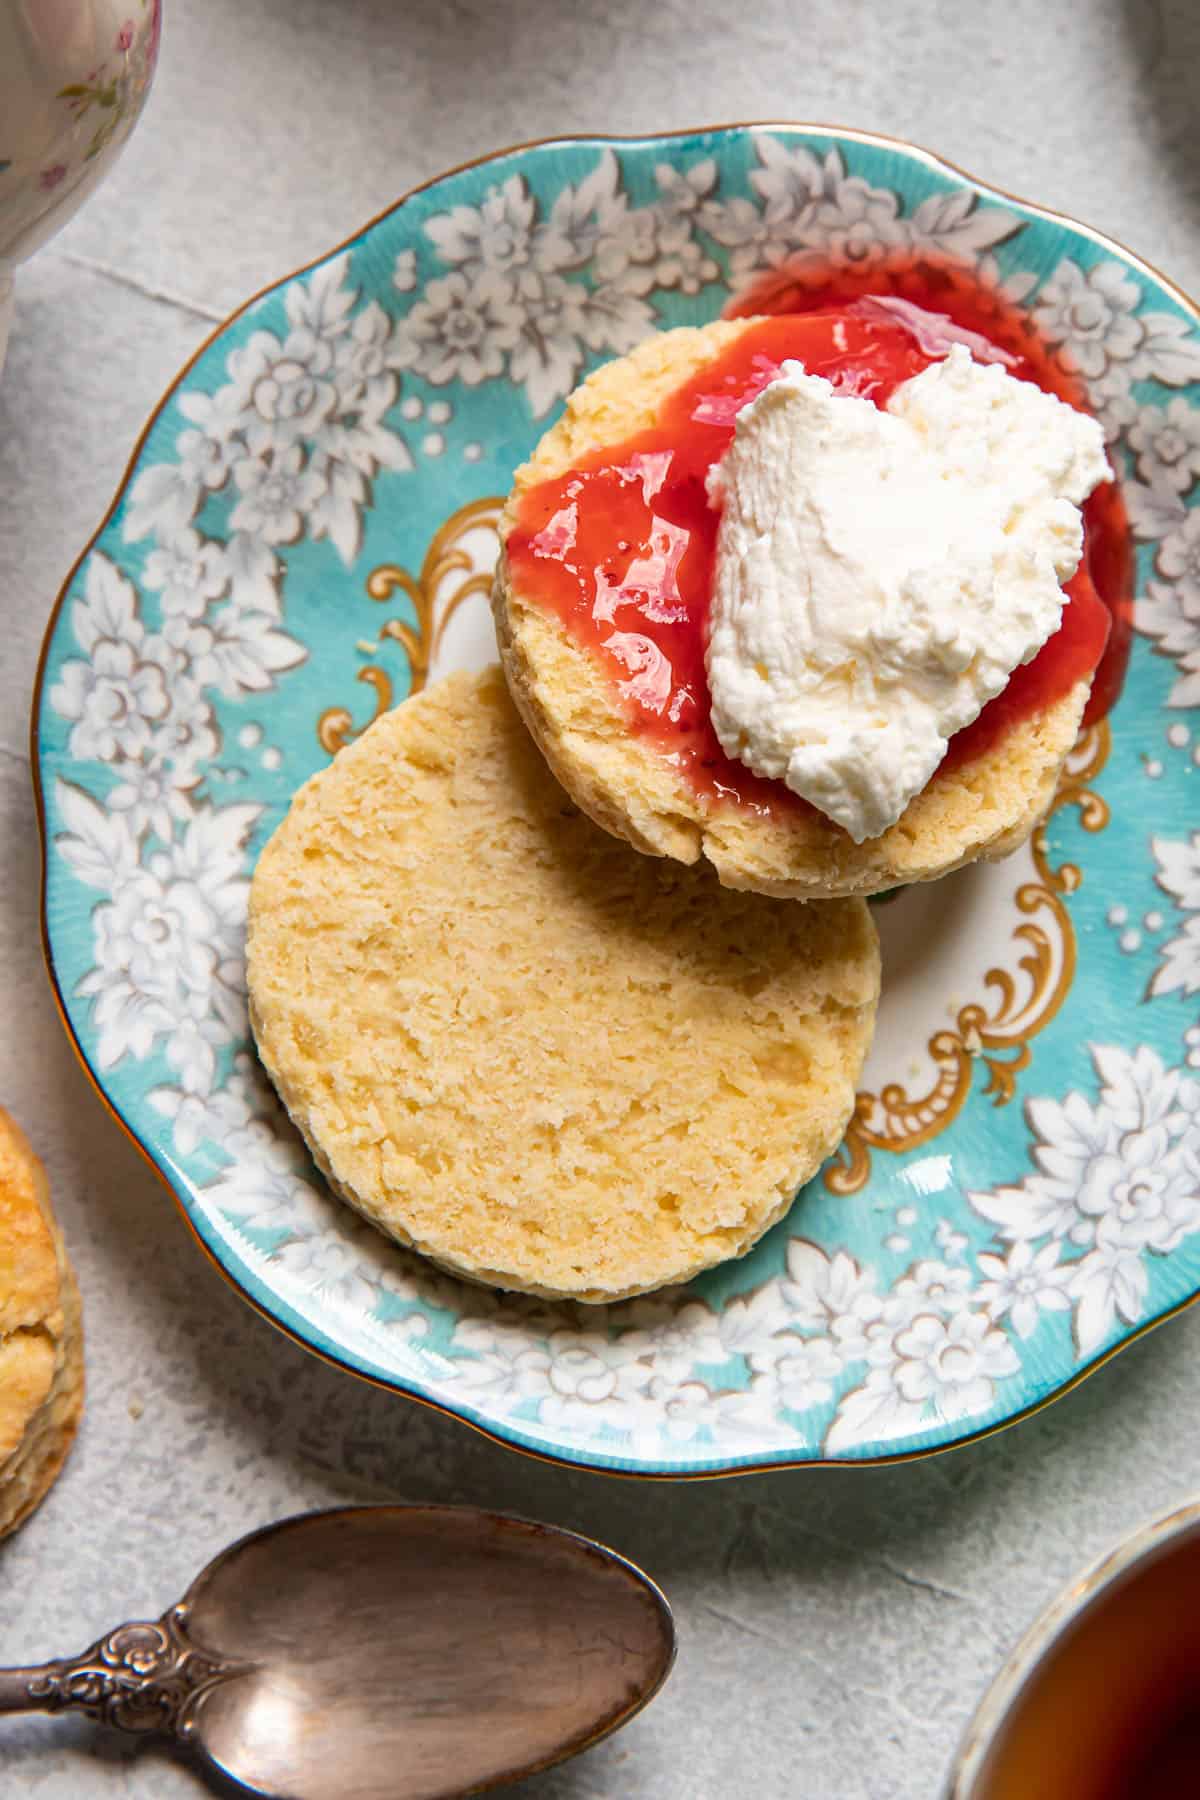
<point>983,809</point>
<point>41,1338</point>
<point>545,1063</point>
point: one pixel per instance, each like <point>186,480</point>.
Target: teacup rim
<point>1015,1676</point>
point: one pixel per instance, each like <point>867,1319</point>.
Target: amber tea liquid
<point>1113,1710</point>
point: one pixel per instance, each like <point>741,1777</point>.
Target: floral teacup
<point>74,75</point>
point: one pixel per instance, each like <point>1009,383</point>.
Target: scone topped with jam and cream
<point>811,596</point>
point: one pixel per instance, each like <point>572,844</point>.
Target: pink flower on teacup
<point>125,37</point>
<point>50,178</point>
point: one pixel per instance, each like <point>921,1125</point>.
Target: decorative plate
<point>305,536</point>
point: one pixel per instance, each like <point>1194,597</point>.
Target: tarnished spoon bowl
<point>381,1653</point>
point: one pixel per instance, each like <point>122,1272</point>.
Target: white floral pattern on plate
<point>207,626</point>
<point>1179,876</point>
<point>1115,1182</point>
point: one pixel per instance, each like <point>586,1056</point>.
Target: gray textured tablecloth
<point>836,1628</point>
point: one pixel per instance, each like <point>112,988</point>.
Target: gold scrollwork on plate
<point>997,1030</point>
<point>449,576</point>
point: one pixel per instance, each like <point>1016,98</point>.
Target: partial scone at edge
<point>41,1339</point>
<point>981,810</point>
<point>544,1063</point>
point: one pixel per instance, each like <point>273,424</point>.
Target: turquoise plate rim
<point>265,1301</point>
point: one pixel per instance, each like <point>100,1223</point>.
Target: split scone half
<point>981,807</point>
<point>543,1062</point>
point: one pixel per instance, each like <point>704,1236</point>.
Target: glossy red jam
<point>621,547</point>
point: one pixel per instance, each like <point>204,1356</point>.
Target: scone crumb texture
<point>545,1062</point>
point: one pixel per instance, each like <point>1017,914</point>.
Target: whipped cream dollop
<point>879,573</point>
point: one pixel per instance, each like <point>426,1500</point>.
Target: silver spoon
<point>381,1653</point>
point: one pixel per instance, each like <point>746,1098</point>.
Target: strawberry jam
<point>621,547</point>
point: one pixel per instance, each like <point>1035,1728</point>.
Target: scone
<point>41,1340</point>
<point>545,1063</point>
<point>979,805</point>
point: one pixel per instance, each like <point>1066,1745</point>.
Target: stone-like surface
<point>836,1627</point>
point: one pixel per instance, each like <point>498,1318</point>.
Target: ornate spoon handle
<point>144,1676</point>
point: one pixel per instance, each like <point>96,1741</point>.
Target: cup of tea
<point>74,75</point>
<point>1101,1699</point>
